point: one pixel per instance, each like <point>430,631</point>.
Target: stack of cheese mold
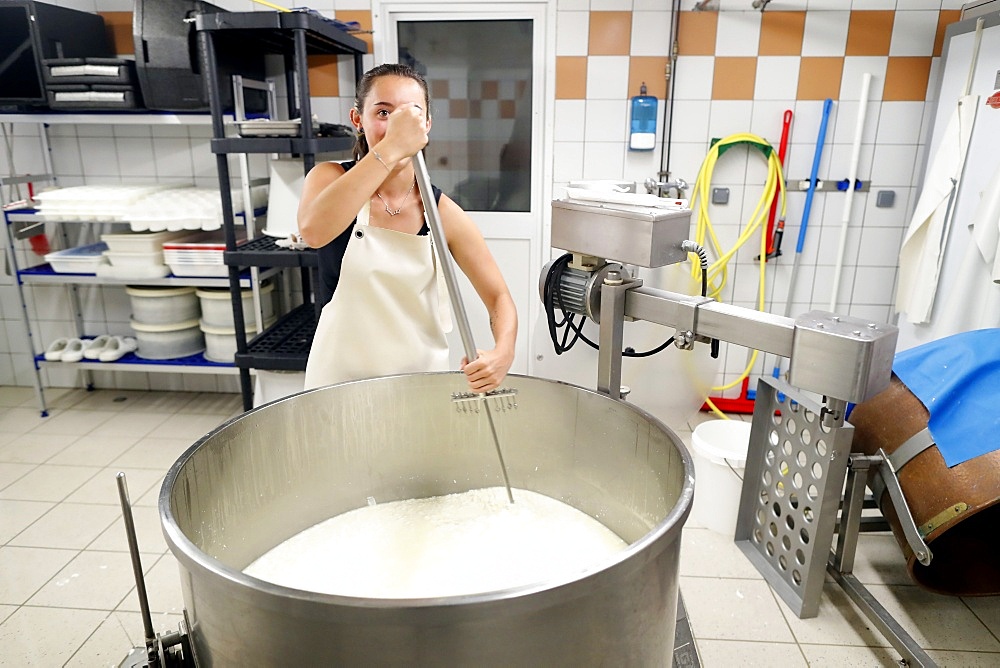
<point>217,319</point>
<point>165,321</point>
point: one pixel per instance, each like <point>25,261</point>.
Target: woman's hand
<point>487,371</point>
<point>405,133</point>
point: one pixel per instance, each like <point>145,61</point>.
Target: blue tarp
<point>957,379</point>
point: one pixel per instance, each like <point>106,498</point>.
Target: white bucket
<point>274,385</point>
<point>720,455</point>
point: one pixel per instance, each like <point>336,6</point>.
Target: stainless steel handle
<point>444,255</point>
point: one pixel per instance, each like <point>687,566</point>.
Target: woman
<point>366,217</point>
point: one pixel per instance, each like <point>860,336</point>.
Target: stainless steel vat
<point>281,468</point>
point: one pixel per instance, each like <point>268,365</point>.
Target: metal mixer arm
<point>841,357</point>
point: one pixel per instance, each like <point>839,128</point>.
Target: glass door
<point>485,67</point>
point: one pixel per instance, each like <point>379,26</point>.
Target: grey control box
<point>643,236</point>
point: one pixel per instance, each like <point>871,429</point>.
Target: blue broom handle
<point>812,176</point>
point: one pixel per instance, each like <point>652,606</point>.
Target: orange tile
<point>781,33</point>
<point>362,16</point>
<point>458,108</point>
<point>649,69</point>
<point>945,19</point>
<point>118,26</point>
<point>696,32</point>
<point>869,33</point>
<point>323,78</point>
<point>571,77</point>
<point>734,78</point>
<point>819,78</point>
<point>490,89</point>
<point>440,89</point>
<point>508,108</point>
<point>610,33</point>
<point>906,78</point>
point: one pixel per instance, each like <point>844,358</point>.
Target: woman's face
<point>387,94</point>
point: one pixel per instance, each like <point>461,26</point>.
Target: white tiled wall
<point>589,139</point>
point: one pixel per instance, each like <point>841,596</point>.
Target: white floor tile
<point>73,422</point>
<point>102,488</point>
<point>163,589</point>
<point>130,423</point>
<point>150,498</point>
<point>935,621</point>
<point>32,448</point>
<point>734,609</point>
<point>188,426</point>
<point>15,516</point>
<point>158,454</point>
<point>987,609</point>
<point>20,420</point>
<point>16,396</point>
<point>879,560</point>
<point>6,611</point>
<point>838,622</point>
<point>705,553</point>
<point>92,580</point>
<point>69,526</point>
<point>47,482</point>
<point>148,533</point>
<point>46,637</point>
<point>723,653</point>
<point>93,450</point>
<point>11,473</point>
<point>964,659</point>
<point>166,403</point>
<point>834,656</point>
<point>111,642</point>
<point>26,569</point>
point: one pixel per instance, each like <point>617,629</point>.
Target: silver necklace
<point>397,211</point>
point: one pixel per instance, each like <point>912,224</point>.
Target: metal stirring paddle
<point>457,306</point>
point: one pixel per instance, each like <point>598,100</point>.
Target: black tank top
<point>331,255</point>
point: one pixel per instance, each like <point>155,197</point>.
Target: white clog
<point>73,351</point>
<point>117,347</point>
<point>92,349</point>
<point>55,350</point>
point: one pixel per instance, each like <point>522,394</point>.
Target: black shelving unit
<point>294,35</point>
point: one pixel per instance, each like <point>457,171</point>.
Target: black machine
<point>168,59</point>
<point>31,32</point>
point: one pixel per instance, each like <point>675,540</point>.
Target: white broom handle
<point>852,176</point>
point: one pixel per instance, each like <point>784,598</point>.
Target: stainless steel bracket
<point>612,324</point>
<point>861,470</point>
<point>885,480</point>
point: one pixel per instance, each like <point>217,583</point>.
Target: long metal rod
<point>140,582</point>
<point>457,306</point>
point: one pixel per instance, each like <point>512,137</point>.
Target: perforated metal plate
<point>792,488</point>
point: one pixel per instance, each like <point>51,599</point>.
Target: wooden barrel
<point>956,509</point>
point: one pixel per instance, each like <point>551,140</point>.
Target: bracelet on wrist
<point>379,158</point>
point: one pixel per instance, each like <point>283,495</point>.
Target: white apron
<point>386,316</point>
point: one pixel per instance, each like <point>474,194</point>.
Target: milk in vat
<point>452,545</point>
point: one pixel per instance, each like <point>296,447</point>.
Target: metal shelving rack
<point>293,35</point>
<point>22,223</point>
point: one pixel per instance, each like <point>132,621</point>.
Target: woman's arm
<point>332,197</point>
<point>474,258</point>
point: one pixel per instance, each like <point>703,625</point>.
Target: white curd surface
<point>453,545</point>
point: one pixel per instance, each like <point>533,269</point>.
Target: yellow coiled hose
<point>717,272</point>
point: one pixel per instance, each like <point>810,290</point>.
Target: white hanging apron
<point>386,316</point>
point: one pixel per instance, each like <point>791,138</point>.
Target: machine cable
<point>552,298</point>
